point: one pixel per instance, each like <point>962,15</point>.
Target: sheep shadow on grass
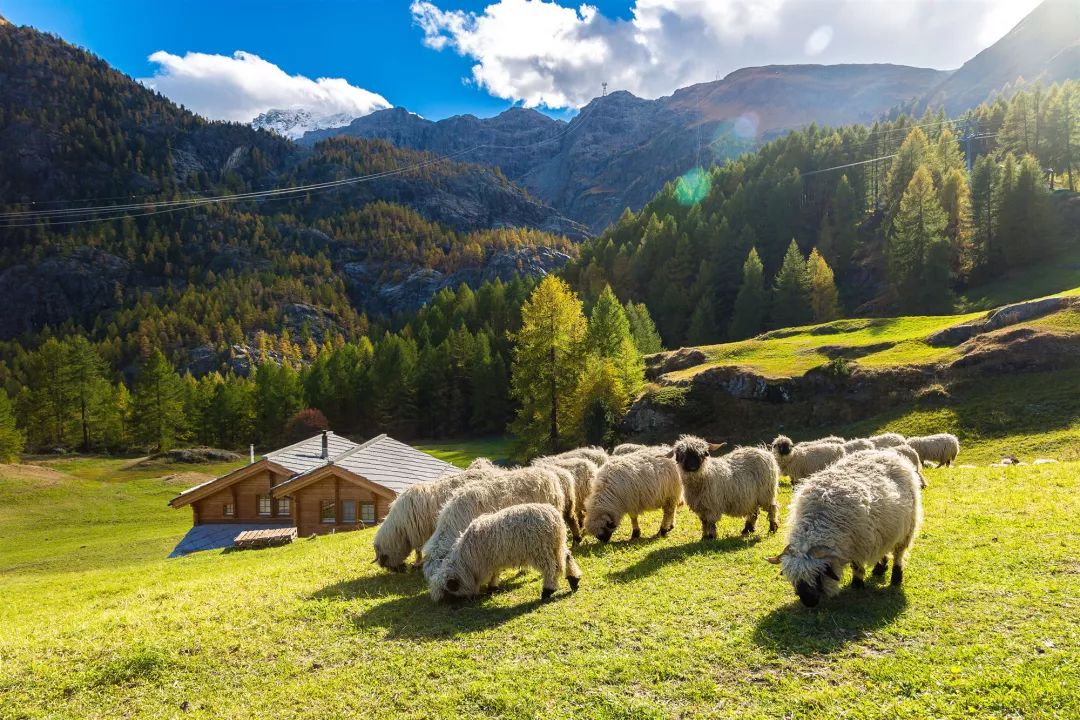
<point>417,617</point>
<point>675,553</point>
<point>846,618</point>
<point>380,584</point>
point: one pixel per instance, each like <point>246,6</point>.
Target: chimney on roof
<point>253,452</point>
<point>325,446</point>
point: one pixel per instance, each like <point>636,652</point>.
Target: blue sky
<point>550,55</point>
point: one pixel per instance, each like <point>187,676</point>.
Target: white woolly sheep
<point>912,456</point>
<point>887,440</point>
<point>941,448</point>
<point>853,513</point>
<point>854,446</point>
<point>830,439</point>
<point>628,448</point>
<point>799,461</point>
<point>584,476</point>
<point>410,521</point>
<point>531,535</point>
<point>596,455</point>
<point>511,487</point>
<point>740,484</point>
<point>630,485</point>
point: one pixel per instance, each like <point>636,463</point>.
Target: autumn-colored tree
<point>824,299</point>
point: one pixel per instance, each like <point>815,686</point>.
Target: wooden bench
<point>265,538</point>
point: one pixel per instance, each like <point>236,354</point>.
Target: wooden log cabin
<point>324,484</point>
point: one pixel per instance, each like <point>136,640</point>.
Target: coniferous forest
<point>818,224</point>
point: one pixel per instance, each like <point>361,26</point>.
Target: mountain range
<point>621,149</point>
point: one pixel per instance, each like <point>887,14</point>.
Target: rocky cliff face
<point>621,149</point>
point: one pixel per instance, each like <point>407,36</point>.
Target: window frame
<point>324,519</point>
<point>259,499</point>
<point>363,514</point>
<point>228,510</point>
<point>284,507</point>
<point>345,519</point>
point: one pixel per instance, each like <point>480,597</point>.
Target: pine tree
<point>158,403</point>
<point>824,300</point>
<point>914,153</point>
<point>984,217</point>
<point>918,251</point>
<point>955,196</point>
<point>11,438</point>
<point>839,233</point>
<point>393,381</point>
<point>85,375</point>
<point>1026,234</point>
<point>791,291</point>
<point>609,337</point>
<point>601,400</point>
<point>546,371</point>
<point>751,304</point>
<point>642,328</point>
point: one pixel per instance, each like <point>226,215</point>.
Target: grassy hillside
<point>96,623</point>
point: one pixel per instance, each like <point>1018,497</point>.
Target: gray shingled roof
<point>392,464</point>
<point>307,454</point>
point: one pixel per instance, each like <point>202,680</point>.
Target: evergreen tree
<point>642,328</point>
<point>158,403</point>
<point>984,219</point>
<point>85,372</point>
<point>955,196</point>
<point>50,408</point>
<point>751,304</point>
<point>547,367</point>
<point>918,251</point>
<point>609,338</point>
<point>11,438</point>
<point>824,299</point>
<point>393,381</point>
<point>791,291</point>
<point>601,400</point>
<point>1026,233</point>
<point>914,152</point>
<point>839,228</point>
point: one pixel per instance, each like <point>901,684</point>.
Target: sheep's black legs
<point>751,523</point>
<point>708,529</point>
<point>636,528</point>
<point>858,573</point>
<point>881,567</point>
<point>774,518</point>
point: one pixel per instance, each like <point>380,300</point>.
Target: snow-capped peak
<point>294,122</point>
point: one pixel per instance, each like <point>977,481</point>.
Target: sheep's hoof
<point>897,576</point>
<point>773,527</point>
<point>574,582</point>
<point>880,568</point>
<point>546,594</point>
<point>635,534</point>
<point>858,583</point>
<point>663,532</point>
<point>747,529</point>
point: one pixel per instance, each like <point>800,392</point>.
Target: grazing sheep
<point>596,455</point>
<point>411,518</point>
<point>799,461</point>
<point>530,535</point>
<point>512,487</point>
<point>912,456</point>
<point>627,448</point>
<point>854,446</point>
<point>630,485</point>
<point>1044,461</point>
<point>887,440</point>
<point>584,475</point>
<point>740,484</point>
<point>853,513</point>
<point>483,463</point>
<point>941,448</point>
<point>831,439</point>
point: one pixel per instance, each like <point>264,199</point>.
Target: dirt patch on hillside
<point>186,479</point>
<point>34,475</point>
<point>1018,350</point>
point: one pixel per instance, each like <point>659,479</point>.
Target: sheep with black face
<point>853,513</point>
<point>530,535</point>
<point>740,484</point>
<point>630,485</point>
<point>806,458</point>
<point>411,518</point>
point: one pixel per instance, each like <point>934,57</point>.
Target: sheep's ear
<point>713,447</point>
<point>820,552</point>
<point>669,454</point>
<point>831,573</point>
<point>453,584</point>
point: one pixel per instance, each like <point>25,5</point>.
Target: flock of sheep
<point>857,502</point>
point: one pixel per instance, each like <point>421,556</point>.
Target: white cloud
<point>242,86</point>
<point>540,52</point>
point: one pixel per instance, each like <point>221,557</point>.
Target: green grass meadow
<point>95,622</point>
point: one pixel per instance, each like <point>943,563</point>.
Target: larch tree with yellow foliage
<point>824,298</point>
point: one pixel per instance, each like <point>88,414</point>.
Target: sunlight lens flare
<point>691,188</point>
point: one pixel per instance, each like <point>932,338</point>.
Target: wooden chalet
<point>324,484</point>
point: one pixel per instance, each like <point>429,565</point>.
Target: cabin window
<point>367,513</point>
<point>284,506</point>
<point>266,505</point>
<point>348,511</point>
<point>227,510</point>
<point>326,512</point>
